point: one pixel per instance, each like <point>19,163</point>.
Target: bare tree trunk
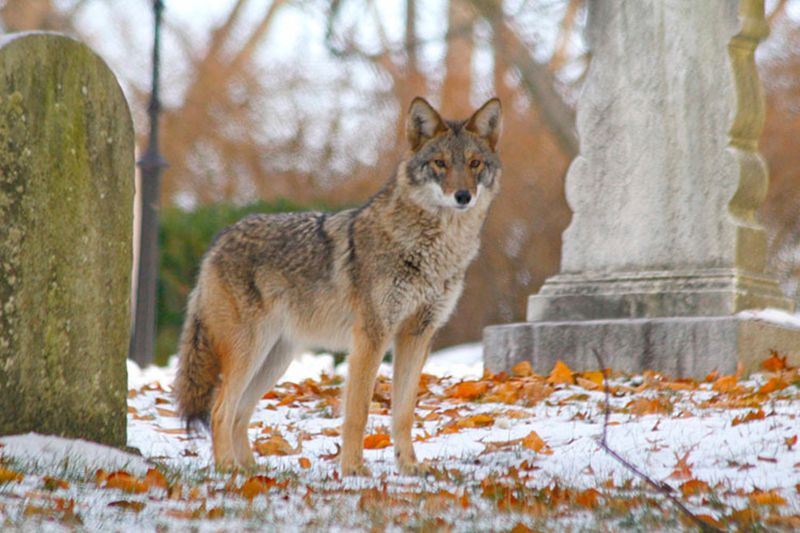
<point>457,84</point>
<point>538,81</point>
<point>413,82</point>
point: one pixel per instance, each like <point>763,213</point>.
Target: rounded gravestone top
<point>66,203</point>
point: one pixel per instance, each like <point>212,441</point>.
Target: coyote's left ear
<point>487,121</point>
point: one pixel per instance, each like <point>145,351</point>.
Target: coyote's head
<point>452,163</point>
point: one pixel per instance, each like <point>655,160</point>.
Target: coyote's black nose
<point>463,197</point>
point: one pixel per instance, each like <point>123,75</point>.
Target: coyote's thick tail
<point>198,370</point>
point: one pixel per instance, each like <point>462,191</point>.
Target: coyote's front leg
<point>411,349</point>
<point>369,345</point>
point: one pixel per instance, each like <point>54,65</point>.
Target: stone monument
<point>66,196</point>
<point>663,249</point>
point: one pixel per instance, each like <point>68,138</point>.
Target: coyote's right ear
<point>423,122</point>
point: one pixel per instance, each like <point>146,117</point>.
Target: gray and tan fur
<point>385,275</point>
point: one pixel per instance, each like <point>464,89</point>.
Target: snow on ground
<point>737,436</point>
<point>46,452</point>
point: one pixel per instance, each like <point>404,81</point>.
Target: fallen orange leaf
<point>774,384</point>
<point>587,498</point>
<point>725,384</point>
<point>561,374</point>
<point>770,497</point>
<point>275,445</point>
<point>534,442</point>
<point>377,441</point>
<point>124,481</point>
<point>256,485</point>
<point>305,463</point>
<point>522,369</point>
<point>595,376</point>
<point>155,479</point>
<point>476,421</point>
<point>774,363</point>
<point>649,406</point>
<point>749,417</point>
<point>468,390</point>
<point>694,486</point>
<point>9,475</point>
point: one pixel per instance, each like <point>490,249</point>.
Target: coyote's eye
<point>475,163</point>
<point>440,163</point>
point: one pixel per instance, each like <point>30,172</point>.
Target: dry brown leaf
<point>331,456</point>
<point>276,445</point>
<point>128,505</point>
<point>171,431</point>
<point>749,417</point>
<point>536,392</point>
<point>682,468</point>
<point>54,483</point>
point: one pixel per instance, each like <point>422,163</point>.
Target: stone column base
<point>701,292</point>
<point>678,347</point>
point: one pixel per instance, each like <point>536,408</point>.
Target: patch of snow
<point>309,366</point>
<point>51,452</point>
<point>464,361</point>
<point>774,316</point>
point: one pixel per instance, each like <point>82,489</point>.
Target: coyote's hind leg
<point>272,368</point>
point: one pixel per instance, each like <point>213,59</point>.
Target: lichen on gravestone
<point>65,240</point>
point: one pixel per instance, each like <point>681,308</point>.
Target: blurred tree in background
<point>305,100</point>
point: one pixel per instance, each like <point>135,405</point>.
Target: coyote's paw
<point>355,469</point>
<point>414,468</point>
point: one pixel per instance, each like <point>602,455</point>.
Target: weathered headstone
<point>66,194</point>
<point>663,249</point>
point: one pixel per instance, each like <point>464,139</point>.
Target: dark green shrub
<point>183,239</point>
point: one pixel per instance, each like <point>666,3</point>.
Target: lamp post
<point>151,164</point>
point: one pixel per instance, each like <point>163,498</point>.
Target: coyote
<point>386,274</point>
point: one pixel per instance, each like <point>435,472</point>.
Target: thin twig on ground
<point>662,487</point>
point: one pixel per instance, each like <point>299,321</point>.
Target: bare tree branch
<point>662,487</point>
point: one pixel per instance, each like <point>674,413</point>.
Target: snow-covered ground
<point>727,445</point>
